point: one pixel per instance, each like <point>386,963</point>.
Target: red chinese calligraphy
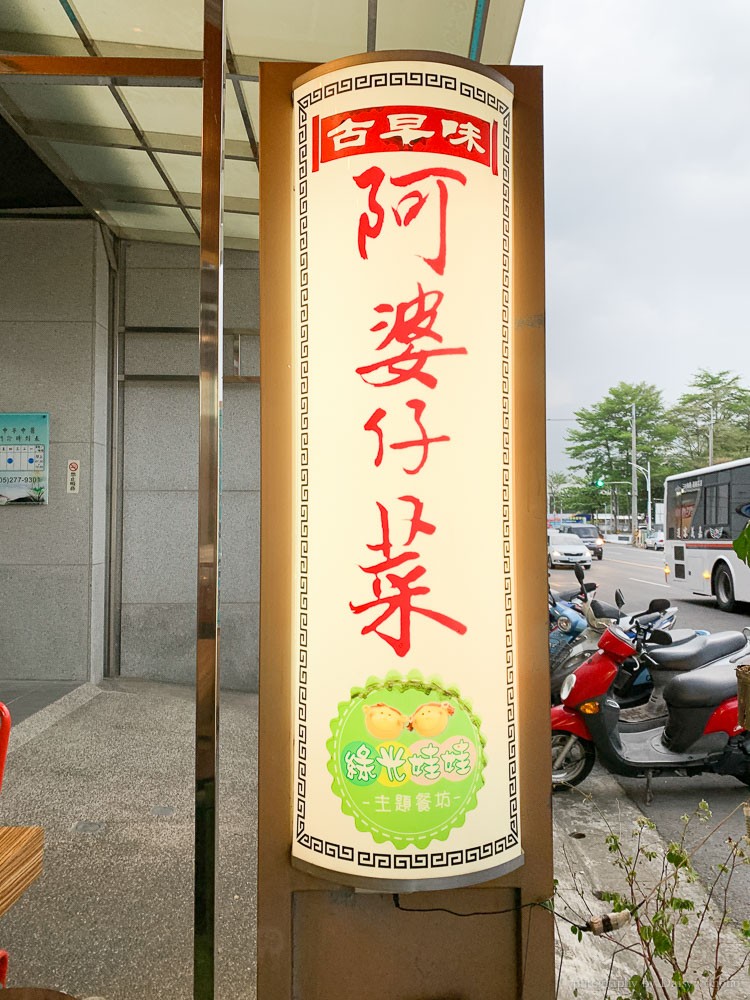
<point>399,602</point>
<point>408,207</point>
<point>423,442</point>
<point>373,424</point>
<point>417,524</point>
<point>413,320</point>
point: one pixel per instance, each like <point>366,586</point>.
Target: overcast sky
<point>647,163</point>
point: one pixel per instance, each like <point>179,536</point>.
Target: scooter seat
<point>701,650</point>
<point>702,688</point>
<point>679,637</point>
<point>570,595</point>
<point>601,610</point>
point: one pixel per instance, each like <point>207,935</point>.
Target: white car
<point>564,549</point>
<point>655,540</point>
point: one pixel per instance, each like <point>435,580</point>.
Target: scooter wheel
<point>572,758</point>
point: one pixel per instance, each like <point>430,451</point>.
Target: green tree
<point>717,404</point>
<point>600,443</point>
<point>556,488</point>
<point>572,494</point>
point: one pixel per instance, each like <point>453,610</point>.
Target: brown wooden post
<point>317,940</point>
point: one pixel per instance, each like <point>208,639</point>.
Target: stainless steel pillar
<point>209,499</point>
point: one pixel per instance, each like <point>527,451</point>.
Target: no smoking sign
<point>74,471</point>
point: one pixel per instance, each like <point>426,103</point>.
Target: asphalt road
<point>639,574</point>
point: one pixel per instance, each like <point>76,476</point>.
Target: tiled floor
<point>109,773</point>
<point>23,698</point>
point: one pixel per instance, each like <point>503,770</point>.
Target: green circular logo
<point>407,759</point>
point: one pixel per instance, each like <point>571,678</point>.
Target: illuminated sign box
<point>404,723</point>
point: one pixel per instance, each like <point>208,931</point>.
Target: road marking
<point>625,562</point>
<point>649,582</point>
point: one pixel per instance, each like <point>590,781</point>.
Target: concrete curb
<point>23,732</point>
<point>582,818</point>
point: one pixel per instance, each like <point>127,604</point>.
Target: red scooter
<point>701,734</point>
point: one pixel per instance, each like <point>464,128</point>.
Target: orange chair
<point>4,736</point>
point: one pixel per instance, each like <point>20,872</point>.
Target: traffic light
<point>599,482</point>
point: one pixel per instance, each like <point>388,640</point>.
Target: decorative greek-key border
<point>380,860</point>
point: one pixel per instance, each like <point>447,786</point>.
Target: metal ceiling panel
<point>37,17</point>
<point>169,24</point>
<point>98,165</point>
<point>424,24</point>
<point>240,176</point>
<point>308,30</point>
<point>143,150</point>
<point>148,217</point>
<point>503,19</point>
<point>62,103</point>
<point>178,110</point>
<point>175,110</point>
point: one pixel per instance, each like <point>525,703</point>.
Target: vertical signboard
<point>24,458</point>
<point>405,707</point>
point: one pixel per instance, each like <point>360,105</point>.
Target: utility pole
<point>647,473</point>
<point>634,477</point>
<point>710,433</point>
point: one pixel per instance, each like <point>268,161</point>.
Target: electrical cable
<point>607,922</point>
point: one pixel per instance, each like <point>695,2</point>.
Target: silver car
<point>567,549</point>
<point>655,540</point>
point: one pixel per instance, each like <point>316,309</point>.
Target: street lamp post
<point>633,477</point>
<point>647,473</point>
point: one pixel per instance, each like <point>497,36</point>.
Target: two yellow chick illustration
<point>387,723</point>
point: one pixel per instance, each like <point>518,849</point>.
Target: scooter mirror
<point>660,637</point>
<point>578,570</point>
<point>660,604</point>
<point>619,599</point>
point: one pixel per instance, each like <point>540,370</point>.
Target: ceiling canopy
<point>131,154</point>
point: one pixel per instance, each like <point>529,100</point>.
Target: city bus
<point>706,510</point>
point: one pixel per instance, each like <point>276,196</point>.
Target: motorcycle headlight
<point>567,686</point>
<point>565,624</point>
